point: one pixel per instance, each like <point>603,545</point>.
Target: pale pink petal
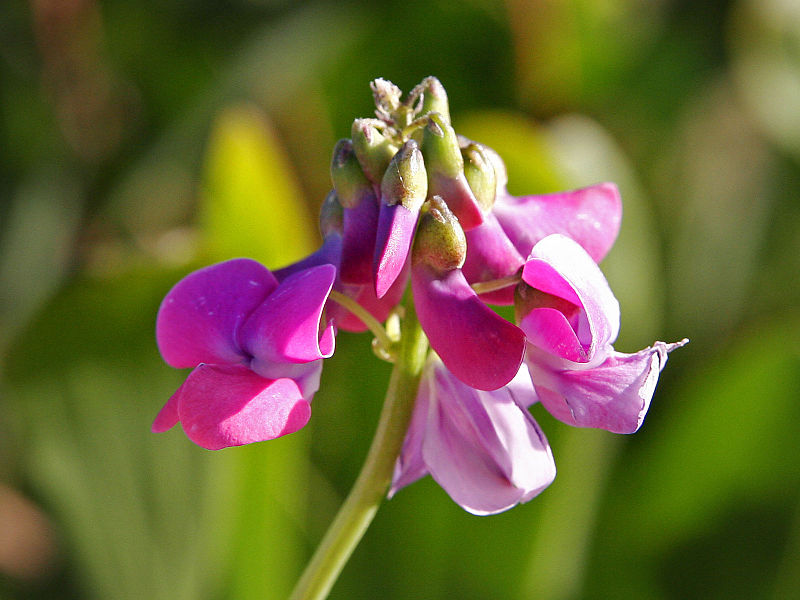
<point>591,216</point>
<point>477,345</point>
<point>491,255</point>
<point>286,327</point>
<point>396,226</point>
<point>521,388</point>
<point>225,405</point>
<point>581,328</point>
<point>613,396</point>
<point>200,317</point>
<point>485,450</point>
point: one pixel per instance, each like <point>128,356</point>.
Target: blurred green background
<point>139,140</point>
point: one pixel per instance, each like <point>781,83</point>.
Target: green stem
<point>370,488</point>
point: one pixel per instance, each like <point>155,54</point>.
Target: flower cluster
<point>413,201</point>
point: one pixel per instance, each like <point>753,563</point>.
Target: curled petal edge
<point>614,396</point>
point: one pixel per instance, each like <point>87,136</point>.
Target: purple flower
<point>571,318</point>
<point>255,347</point>
<point>483,447</point>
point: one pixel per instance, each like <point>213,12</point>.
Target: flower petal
<point>459,197</point>
<point>285,328</point>
<point>484,449</point>
<point>591,216</point>
<point>358,249</point>
<point>228,405</point>
<point>477,345</point>
<point>200,316</point>
<point>168,417</point>
<point>614,396</point>
<point>396,225</point>
<point>491,255</point>
<point>583,319</point>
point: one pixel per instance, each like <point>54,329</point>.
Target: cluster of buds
<point>412,200</point>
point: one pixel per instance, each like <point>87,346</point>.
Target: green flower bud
<point>348,179</point>
<point>331,215</point>
<point>433,98</point>
<point>480,175</point>
<point>373,149</point>
<point>439,242</point>
<point>440,148</point>
<point>405,180</point>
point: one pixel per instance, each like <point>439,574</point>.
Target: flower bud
<point>480,175</point>
<point>433,98</point>
<point>330,215</point>
<point>405,180</point>
<point>348,179</point>
<point>373,149</point>
<point>445,167</point>
<point>440,242</point>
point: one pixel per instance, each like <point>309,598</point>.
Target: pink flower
<point>571,319</point>
<point>255,347</point>
<point>483,447</point>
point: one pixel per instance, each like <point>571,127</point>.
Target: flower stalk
<point>370,488</point>
<point>385,342</point>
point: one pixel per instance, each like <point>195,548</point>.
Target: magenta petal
<point>591,216</point>
<point>199,318</point>
<point>285,328</point>
<point>168,417</point>
<point>396,225</point>
<point>229,405</point>
<point>614,396</point>
<point>485,450</point>
<point>360,224</point>
<point>560,267</point>
<point>459,198</point>
<point>491,255</point>
<point>480,347</point>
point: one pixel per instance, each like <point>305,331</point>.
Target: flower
<point>255,348</point>
<point>483,447</point>
<point>413,201</point>
<point>571,318</point>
